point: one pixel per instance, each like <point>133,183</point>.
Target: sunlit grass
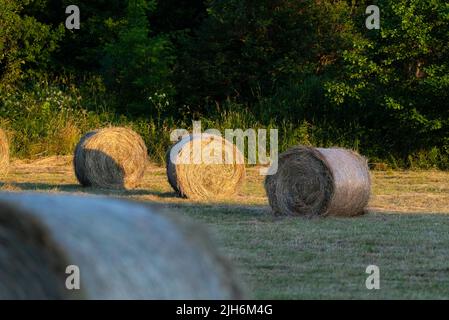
<point>405,233</point>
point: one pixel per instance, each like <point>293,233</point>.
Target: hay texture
<point>111,158</point>
<point>4,154</point>
<point>123,250</point>
<point>209,178</point>
<point>319,182</point>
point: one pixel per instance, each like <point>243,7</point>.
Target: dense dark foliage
<point>308,67</point>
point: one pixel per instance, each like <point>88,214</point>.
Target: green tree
<point>395,81</point>
<point>136,65</point>
<point>246,49</point>
<point>25,44</point>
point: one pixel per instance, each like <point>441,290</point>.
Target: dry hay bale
<point>111,158</point>
<point>123,250</point>
<point>197,167</point>
<point>79,162</point>
<point>319,182</point>
<point>4,153</point>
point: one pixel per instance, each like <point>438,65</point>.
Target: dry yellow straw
<point>319,182</point>
<point>205,166</point>
<point>4,154</point>
<point>112,158</point>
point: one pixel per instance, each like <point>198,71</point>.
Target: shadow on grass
<point>162,199</point>
<point>171,200</point>
<point>29,186</point>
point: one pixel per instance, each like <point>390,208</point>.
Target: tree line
<point>309,67</point>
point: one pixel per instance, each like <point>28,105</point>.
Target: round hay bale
<point>4,153</point>
<point>111,158</point>
<point>319,182</point>
<point>123,250</point>
<point>78,160</point>
<point>197,167</point>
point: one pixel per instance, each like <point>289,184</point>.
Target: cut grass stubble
<point>405,233</point>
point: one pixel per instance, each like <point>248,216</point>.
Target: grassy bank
<point>50,117</point>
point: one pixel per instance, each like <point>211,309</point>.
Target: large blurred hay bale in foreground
<point>210,178</point>
<point>319,182</point>
<point>111,158</point>
<point>4,154</point>
<point>123,250</point>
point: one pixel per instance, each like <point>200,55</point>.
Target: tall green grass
<point>49,118</point>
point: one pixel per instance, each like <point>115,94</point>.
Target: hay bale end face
<point>315,182</point>
<point>205,166</point>
<point>123,250</point>
<point>111,158</point>
<point>4,153</point>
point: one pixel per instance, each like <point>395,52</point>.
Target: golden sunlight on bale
<point>111,158</point>
<point>319,182</point>
<point>4,154</point>
<point>205,166</point>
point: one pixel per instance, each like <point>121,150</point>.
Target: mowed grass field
<point>405,233</point>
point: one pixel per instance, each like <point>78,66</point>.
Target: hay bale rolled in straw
<point>4,153</point>
<point>78,160</point>
<point>111,158</point>
<point>205,166</point>
<point>123,250</point>
<point>319,182</point>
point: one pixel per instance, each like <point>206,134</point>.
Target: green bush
<point>46,120</point>
<point>395,80</point>
<point>49,119</point>
<point>25,45</point>
<point>137,66</point>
